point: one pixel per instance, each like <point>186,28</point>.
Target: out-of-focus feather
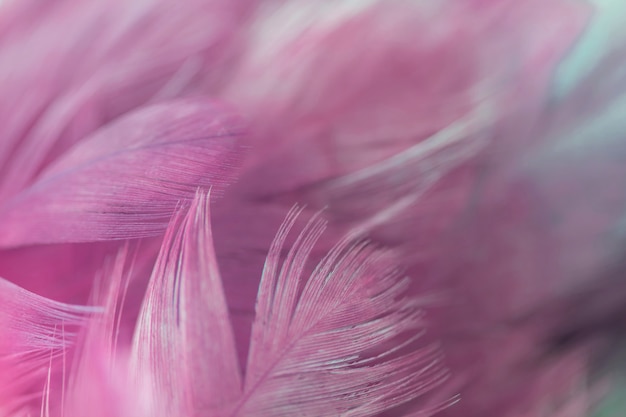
<point>548,241</point>
<point>298,83</point>
<point>126,180</point>
<point>333,90</point>
<point>578,180</point>
<point>98,383</point>
<point>76,66</point>
<point>34,331</point>
<point>399,181</point>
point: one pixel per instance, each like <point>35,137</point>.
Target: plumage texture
<point>125,181</point>
<point>184,320</point>
<point>311,338</point>
<point>311,353</point>
<point>454,134</point>
<point>309,350</point>
<point>35,332</point>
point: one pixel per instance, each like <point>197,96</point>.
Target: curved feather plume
<point>339,342</point>
<point>34,332</point>
<point>126,180</point>
<point>98,383</point>
<point>102,60</point>
<point>183,344</point>
<point>403,178</point>
<point>332,343</point>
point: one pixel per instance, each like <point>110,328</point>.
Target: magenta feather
<point>315,341</point>
<point>138,169</point>
<point>311,336</point>
<point>430,126</point>
<point>184,320</point>
<point>79,65</point>
<point>35,332</point>
<point>344,340</point>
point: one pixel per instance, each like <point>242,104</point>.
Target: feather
<point>340,342</point>
<point>313,339</point>
<point>314,114</point>
<point>126,180</point>
<point>102,60</point>
<point>344,95</point>
<point>577,183</point>
<point>98,384</point>
<point>35,331</point>
<point>57,272</point>
<point>399,181</point>
<point>550,244</point>
<point>183,343</point>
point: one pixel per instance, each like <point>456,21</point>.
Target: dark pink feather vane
<point>35,332</point>
<point>126,180</point>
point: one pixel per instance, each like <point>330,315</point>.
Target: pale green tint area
<point>614,404</point>
<point>607,26</point>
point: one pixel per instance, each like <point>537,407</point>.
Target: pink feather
<point>430,126</point>
<point>340,341</point>
<point>138,169</point>
<point>184,321</point>
<point>35,332</point>
<point>309,346</point>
